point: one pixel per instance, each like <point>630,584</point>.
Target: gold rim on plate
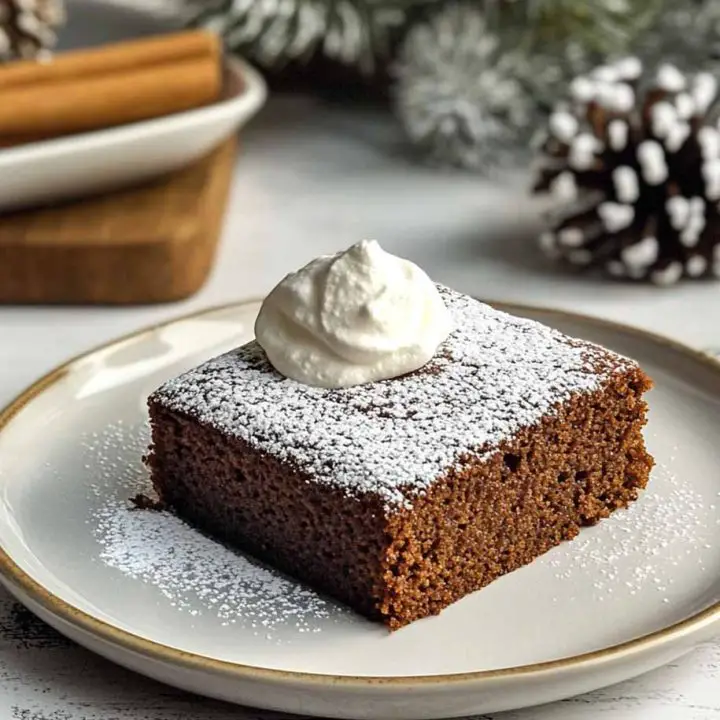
<point>18,580</point>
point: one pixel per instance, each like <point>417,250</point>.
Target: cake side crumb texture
<point>495,375</point>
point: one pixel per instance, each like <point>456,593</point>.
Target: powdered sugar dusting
<point>638,549</point>
<point>495,375</point>
<point>194,573</point>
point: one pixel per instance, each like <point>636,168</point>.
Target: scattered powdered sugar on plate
<point>634,550</point>
<point>663,529</point>
<point>193,572</point>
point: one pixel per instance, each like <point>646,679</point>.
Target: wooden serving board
<point>149,244</point>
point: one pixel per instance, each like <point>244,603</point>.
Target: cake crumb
<point>141,501</point>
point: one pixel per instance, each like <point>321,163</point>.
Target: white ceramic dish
<point>104,160</point>
<point>140,588</point>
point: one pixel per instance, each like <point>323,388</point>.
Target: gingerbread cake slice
<point>401,496</point>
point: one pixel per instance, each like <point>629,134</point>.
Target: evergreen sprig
<point>605,27</point>
<point>471,77</point>
<point>276,33</point>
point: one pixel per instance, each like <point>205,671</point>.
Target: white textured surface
<point>311,179</point>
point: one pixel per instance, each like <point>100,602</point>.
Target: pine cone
<point>27,27</point>
<point>634,164</point>
<point>458,95</point>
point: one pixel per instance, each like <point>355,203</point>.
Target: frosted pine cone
<point>28,27</point>
<point>458,95</point>
<point>634,165</point>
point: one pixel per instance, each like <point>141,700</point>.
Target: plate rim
<point>15,578</point>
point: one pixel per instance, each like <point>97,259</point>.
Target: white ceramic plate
<point>146,591</point>
<point>104,160</point>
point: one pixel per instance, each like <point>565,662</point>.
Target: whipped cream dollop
<point>356,317</point>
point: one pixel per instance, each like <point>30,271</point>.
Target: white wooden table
<point>312,179</point>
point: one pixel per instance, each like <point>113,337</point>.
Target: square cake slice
<point>400,497</point>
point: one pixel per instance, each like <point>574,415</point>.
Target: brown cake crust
<point>479,521</point>
<point>314,532</point>
<point>486,520</point>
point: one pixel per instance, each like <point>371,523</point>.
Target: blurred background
<point>424,124</point>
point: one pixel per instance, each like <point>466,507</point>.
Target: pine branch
<point>276,33</point>
<point>604,27</point>
<point>686,34</point>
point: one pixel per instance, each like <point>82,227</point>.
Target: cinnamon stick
<point>117,57</point>
<point>108,86</point>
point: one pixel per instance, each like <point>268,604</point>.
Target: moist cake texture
<point>401,496</point>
